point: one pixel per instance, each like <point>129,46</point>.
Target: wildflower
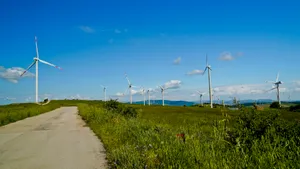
<point>181,136</point>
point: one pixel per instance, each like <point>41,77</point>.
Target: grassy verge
<point>14,112</point>
<point>251,140</point>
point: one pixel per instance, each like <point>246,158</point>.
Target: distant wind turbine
<point>277,83</point>
<point>143,93</point>
<point>201,95</point>
<point>162,89</point>
<point>148,91</point>
<point>36,63</point>
<point>208,68</point>
<point>129,88</point>
<point>104,92</point>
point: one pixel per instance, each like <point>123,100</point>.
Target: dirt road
<point>54,140</point>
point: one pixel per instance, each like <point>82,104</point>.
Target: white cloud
<point>297,89</point>
<point>13,74</point>
<point>86,29</point>
<point>117,31</point>
<point>241,89</point>
<point>226,56</point>
<point>172,84</point>
<point>195,72</point>
<point>297,82</point>
<point>77,96</point>
<point>177,61</point>
<point>120,94</point>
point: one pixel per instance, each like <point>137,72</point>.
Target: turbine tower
<point>201,95</point>
<point>277,83</point>
<point>208,68</point>
<point>143,93</point>
<point>104,92</point>
<point>163,93</point>
<point>36,63</point>
<point>148,91</point>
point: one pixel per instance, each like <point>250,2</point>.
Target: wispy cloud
<point>242,89</point>
<point>118,31</point>
<point>177,61</point>
<point>13,74</point>
<point>172,84</point>
<point>119,94</point>
<point>226,56</point>
<point>195,72</point>
<point>79,97</point>
<point>87,29</point>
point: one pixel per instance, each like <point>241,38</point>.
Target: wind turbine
<point>162,90</point>
<point>104,91</point>
<point>201,95</point>
<point>208,68</point>
<point>277,83</point>
<point>143,93</point>
<point>36,63</point>
<point>129,88</point>
<point>148,91</point>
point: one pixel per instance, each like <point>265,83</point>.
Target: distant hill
<point>227,102</point>
<point>168,102</point>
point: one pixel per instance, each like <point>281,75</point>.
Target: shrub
<point>295,108</point>
<point>120,108</point>
<point>275,105</point>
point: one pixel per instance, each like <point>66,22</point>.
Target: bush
<point>275,105</point>
<point>295,108</point>
<point>120,108</point>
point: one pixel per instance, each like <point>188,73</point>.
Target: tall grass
<point>140,143</point>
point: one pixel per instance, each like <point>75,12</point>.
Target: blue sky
<point>96,42</point>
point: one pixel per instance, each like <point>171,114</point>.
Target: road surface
<point>54,140</point>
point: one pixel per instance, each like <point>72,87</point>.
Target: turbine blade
<point>127,79</point>
<point>204,71</point>
<point>50,64</point>
<point>271,89</point>
<point>277,78</point>
<point>270,82</point>
<point>206,60</point>
<point>28,68</point>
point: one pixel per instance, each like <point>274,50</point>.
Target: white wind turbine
<point>277,83</point>
<point>36,63</point>
<point>104,92</point>
<point>148,91</point>
<point>143,93</point>
<point>129,88</point>
<point>208,68</point>
<point>201,95</point>
<point>162,90</point>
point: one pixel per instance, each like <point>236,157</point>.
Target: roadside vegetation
<point>137,136</point>
<point>14,112</point>
<point>193,137</point>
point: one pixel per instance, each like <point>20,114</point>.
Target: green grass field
<point>137,136</point>
<point>213,138</point>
